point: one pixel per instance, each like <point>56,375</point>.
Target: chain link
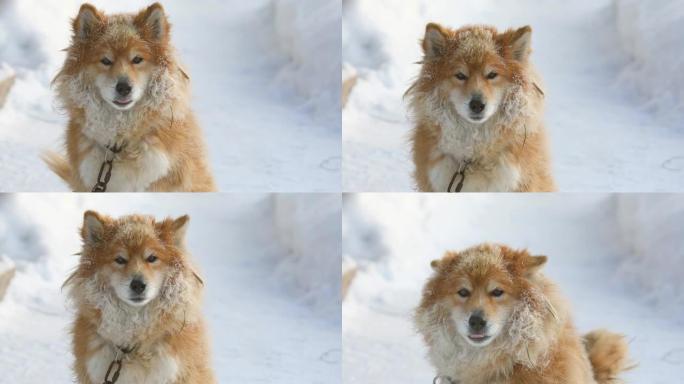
<point>101,185</point>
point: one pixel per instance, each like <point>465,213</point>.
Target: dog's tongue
<point>477,336</point>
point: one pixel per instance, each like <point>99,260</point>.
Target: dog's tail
<point>59,165</point>
<point>608,355</point>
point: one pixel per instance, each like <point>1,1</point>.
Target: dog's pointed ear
<point>93,228</point>
<point>88,21</point>
<point>449,256</point>
<point>179,228</point>
<point>435,41</point>
<point>520,43</point>
<point>533,264</point>
<point>152,22</point>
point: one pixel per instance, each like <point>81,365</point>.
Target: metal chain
<point>101,185</point>
<point>461,171</point>
<point>112,375</point>
<point>117,370</point>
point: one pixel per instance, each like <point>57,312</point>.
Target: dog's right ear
<point>88,21</point>
<point>449,256</point>
<point>435,41</point>
<point>93,227</point>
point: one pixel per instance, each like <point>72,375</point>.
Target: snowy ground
<point>605,134</point>
<point>269,126</point>
<point>583,235</point>
<point>263,328</point>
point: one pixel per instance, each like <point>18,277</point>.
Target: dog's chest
<point>498,176</point>
<point>128,174</point>
<point>156,366</point>
<point>470,150</point>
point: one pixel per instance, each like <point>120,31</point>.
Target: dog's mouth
<point>477,118</point>
<point>122,102</point>
<point>478,337</point>
<point>137,299</point>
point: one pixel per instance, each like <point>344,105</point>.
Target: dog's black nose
<point>476,105</point>
<point>477,323</point>
<point>138,286</point>
<point>123,88</point>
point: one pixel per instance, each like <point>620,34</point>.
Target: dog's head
<point>479,288</point>
<point>473,67</point>
<point>134,257</point>
<point>118,54</point>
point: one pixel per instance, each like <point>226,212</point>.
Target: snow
<point>582,235</point>
<point>651,230</point>
<point>309,227</point>
<point>652,37</point>
<point>268,122</point>
<point>305,29</point>
<point>603,138</point>
<point>260,328</point>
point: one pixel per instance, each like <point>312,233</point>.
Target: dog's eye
<point>461,76</point>
<point>497,292</point>
<point>120,260</point>
<point>151,258</point>
<point>492,75</point>
<point>463,292</point>
<point>106,61</point>
<point>137,60</point>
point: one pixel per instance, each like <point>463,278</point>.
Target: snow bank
<point>309,226</point>
<point>652,229</point>
<point>651,34</point>
<point>32,32</point>
<point>308,32</point>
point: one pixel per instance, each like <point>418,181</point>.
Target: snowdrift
<point>651,34</point>
<point>307,32</point>
<point>309,227</point>
<point>651,228</point>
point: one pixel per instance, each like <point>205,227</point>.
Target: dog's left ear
<point>520,43</point>
<point>153,24</point>
<point>179,227</point>
<point>534,264</point>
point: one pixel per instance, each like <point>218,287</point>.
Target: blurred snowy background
<point>265,77</point>
<point>619,259</point>
<point>271,265</point>
<point>613,80</point>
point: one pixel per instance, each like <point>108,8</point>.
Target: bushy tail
<point>59,165</point>
<point>608,354</point>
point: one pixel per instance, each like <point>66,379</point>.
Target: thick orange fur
<point>164,149</point>
<point>537,342</point>
<point>608,355</point>
<point>506,152</point>
<point>167,334</point>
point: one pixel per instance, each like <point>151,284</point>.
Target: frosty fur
<point>538,344</point>
<point>508,152</point>
<point>164,150</point>
<point>167,334</point>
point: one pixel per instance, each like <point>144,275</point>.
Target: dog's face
<point>134,256</point>
<point>479,289</point>
<point>473,67</point>
<point>120,53</point>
